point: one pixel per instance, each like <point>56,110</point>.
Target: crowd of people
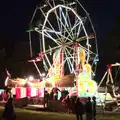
<point>75,105</point>
<point>82,107</point>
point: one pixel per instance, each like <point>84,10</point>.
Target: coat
<point>79,108</point>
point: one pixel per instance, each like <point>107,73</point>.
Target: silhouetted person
<point>73,104</point>
<point>94,108</point>
<point>55,91</point>
<point>51,95</point>
<point>5,96</point>
<point>46,98</point>
<point>79,109</point>
<point>64,93</point>
<point>68,104</point>
<point>89,109</point>
<point>9,113</point>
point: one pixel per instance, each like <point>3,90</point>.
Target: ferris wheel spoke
<point>62,24</point>
<point>72,68</point>
<point>60,20</point>
<point>65,38</point>
<point>58,34</point>
<point>50,65</point>
<point>69,65</point>
<point>45,27</point>
<point>66,23</point>
<point>68,52</point>
<point>49,36</point>
<point>45,65</point>
<point>79,28</point>
<point>70,49</point>
<point>69,21</point>
<point>74,26</point>
<point>52,31</point>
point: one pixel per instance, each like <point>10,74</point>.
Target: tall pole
<point>30,44</point>
<point>37,68</point>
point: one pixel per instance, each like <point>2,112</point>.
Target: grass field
<point>23,114</point>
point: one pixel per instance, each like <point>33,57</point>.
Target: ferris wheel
<point>64,29</point>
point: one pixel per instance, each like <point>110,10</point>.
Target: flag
<point>37,59</point>
<point>8,74</point>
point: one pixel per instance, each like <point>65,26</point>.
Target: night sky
<point>16,15</point>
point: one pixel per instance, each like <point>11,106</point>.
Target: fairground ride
<point>111,96</point>
<point>68,43</point>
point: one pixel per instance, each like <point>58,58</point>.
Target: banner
<point>18,93</point>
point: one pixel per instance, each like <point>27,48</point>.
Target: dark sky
<point>15,17</point>
<point>103,14</point>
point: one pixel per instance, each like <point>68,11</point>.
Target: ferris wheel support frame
<point>108,74</point>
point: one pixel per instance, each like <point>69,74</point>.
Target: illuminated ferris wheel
<point>67,37</point>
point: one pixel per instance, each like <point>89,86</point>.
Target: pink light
<point>18,93</point>
<point>6,81</point>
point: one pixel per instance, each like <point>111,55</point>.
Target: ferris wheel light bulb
<point>43,74</point>
<point>31,78</point>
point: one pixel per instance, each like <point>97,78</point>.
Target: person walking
<point>9,113</point>
<point>94,107</point>
<point>79,109</point>
<point>89,109</point>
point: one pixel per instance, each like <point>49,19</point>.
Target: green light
<point>85,94</point>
